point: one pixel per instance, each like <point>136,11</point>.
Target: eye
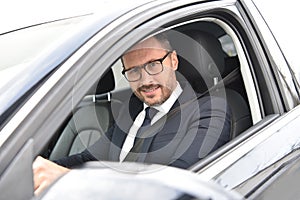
<point>153,64</point>
<point>133,70</point>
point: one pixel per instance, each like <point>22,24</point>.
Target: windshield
<point>19,49</point>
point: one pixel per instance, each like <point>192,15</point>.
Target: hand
<point>45,172</point>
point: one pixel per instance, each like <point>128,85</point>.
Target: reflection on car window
<point>227,45</point>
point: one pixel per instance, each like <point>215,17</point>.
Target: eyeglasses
<point>152,68</point>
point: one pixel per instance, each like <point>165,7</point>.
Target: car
<point>61,88</point>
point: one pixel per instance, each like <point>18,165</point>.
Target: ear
<point>174,60</point>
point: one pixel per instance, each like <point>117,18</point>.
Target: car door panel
<point>274,142</point>
<point>16,181</point>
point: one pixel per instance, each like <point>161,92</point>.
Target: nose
<point>146,78</point>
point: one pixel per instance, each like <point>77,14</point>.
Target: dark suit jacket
<point>193,128</point>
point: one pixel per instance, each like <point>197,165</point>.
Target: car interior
<point>205,61</point>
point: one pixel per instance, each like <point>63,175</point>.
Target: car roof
<point>27,13</point>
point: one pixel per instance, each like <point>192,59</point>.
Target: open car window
<point>208,60</point>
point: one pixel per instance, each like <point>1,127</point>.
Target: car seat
<point>203,63</point>
<point>90,119</point>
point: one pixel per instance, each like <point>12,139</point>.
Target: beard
<point>153,99</point>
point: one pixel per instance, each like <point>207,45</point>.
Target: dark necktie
<point>150,112</point>
<point>139,140</point>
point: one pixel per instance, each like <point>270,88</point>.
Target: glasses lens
<point>133,74</point>
<point>154,67</point>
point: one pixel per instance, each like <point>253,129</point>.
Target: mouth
<point>149,90</point>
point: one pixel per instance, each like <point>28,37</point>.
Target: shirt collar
<point>167,105</point>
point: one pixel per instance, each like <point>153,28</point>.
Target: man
<point>182,129</point>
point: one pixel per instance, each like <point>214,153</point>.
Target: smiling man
<point>163,122</point>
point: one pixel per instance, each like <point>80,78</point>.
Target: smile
<point>149,89</point>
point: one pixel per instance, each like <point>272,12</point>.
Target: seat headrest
<point>106,83</point>
<point>201,58</point>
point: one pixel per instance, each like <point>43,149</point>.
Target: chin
<point>153,102</point>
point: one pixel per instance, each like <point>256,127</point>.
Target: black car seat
<point>202,62</point>
<point>90,119</point>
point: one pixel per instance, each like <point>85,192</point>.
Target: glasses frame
<point>161,60</point>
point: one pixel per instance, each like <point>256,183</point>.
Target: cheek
<point>134,85</point>
<point>166,78</point>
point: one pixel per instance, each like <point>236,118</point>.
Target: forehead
<point>142,56</point>
<point>150,43</point>
<point>143,52</point>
